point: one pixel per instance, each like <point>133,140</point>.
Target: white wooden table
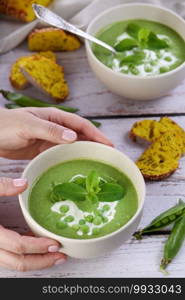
<point>132,259</point>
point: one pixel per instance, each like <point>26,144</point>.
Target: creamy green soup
<point>81,219</point>
<point>144,48</point>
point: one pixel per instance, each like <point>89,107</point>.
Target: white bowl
<point>130,86</point>
<point>87,150</point>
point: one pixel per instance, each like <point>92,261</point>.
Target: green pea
<point>98,213</point>
<point>97,220</point>
<point>89,218</point>
<point>134,70</point>
<point>84,228</point>
<point>164,221</point>
<point>64,208</point>
<point>168,58</point>
<point>105,219</point>
<point>163,70</point>
<point>76,227</point>
<point>95,231</point>
<point>69,219</point>
<point>61,225</point>
<point>157,225</point>
<point>82,222</point>
<point>172,217</point>
<point>148,69</point>
<point>106,207</point>
<point>154,62</point>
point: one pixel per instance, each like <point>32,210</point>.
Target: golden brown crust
<point>53,39</point>
<point>47,76</point>
<point>21,9</point>
<point>158,177</point>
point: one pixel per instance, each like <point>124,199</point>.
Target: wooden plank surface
<point>133,258</point>
<point>92,97</point>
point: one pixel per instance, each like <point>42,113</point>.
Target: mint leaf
<point>133,30</point>
<point>92,182</point>
<point>133,59</point>
<point>70,191</point>
<point>155,43</point>
<point>80,181</point>
<point>110,192</point>
<point>143,36</point>
<point>126,44</point>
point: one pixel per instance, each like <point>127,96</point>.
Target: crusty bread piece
<point>53,39</point>
<point>160,160</point>
<point>143,130</point>
<point>46,75</point>
<point>21,9</point>
<point>151,130</point>
<point>17,79</point>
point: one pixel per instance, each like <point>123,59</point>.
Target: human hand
<point>25,132</point>
<point>25,253</point>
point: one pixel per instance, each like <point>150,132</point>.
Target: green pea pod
<point>25,101</point>
<point>166,218</point>
<point>19,100</point>
<point>173,243</point>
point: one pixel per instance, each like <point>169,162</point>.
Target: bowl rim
<point>50,234</point>
<point>99,16</point>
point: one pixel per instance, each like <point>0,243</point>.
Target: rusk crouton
<point>52,39</point>
<point>151,130</point>
<point>21,9</point>
<point>160,160</point>
<point>47,76</point>
<point>17,79</point>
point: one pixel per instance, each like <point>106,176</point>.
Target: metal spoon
<point>46,15</point>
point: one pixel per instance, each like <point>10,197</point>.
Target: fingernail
<point>68,135</point>
<point>53,249</point>
<point>19,182</point>
<point>60,261</point>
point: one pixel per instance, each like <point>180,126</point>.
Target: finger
<point>23,263</point>
<point>51,132</point>
<point>73,121</point>
<point>82,126</point>
<point>20,244</point>
<point>11,187</point>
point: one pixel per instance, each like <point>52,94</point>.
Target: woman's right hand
<point>21,252</point>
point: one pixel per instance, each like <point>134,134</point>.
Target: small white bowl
<point>85,150</point>
<point>130,86</point>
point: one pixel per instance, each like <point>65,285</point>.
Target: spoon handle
<point>47,16</point>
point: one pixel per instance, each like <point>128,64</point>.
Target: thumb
<point>52,132</point>
<point>12,187</point>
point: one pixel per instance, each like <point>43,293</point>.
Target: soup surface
<point>82,218</point>
<point>144,48</point>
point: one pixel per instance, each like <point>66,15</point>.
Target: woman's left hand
<point>26,132</point>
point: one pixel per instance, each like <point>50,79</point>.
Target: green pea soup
<point>145,48</point>
<point>81,219</point>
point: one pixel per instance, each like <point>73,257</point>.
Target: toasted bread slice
<point>151,130</point>
<point>47,76</point>
<point>161,158</point>
<point>17,79</point>
<point>21,9</point>
<point>53,39</point>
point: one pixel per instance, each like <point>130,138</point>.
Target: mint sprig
<point>92,188</point>
<point>140,38</point>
